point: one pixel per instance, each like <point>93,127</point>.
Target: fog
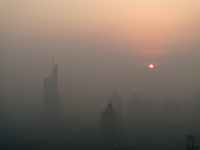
<point>99,47</point>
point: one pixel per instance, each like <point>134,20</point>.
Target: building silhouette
<point>117,106</point>
<point>139,109</point>
<point>51,102</point>
<point>170,109</point>
<point>109,128</point>
<point>191,143</point>
<point>116,102</point>
<point>136,125</point>
<point>135,109</point>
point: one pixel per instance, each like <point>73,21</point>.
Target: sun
<point>151,66</point>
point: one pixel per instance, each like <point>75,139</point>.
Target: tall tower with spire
<point>51,100</point>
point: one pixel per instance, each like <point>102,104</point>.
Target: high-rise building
<point>170,109</point>
<point>136,124</point>
<point>139,109</point>
<point>117,105</point>
<point>116,102</point>
<point>51,105</point>
<point>135,108</point>
<point>109,128</point>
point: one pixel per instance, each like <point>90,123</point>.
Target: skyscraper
<point>136,123</point>
<point>116,102</point>
<point>170,109</point>
<point>117,106</point>
<point>135,109</point>
<point>51,109</point>
<point>109,128</point>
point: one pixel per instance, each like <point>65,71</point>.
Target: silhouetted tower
<point>109,128</point>
<point>170,109</point>
<point>116,102</point>
<point>147,110</point>
<point>51,110</point>
<point>135,109</point>
<point>117,105</point>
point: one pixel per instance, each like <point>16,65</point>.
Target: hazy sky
<point>100,46</point>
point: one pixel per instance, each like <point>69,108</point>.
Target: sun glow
<point>151,66</point>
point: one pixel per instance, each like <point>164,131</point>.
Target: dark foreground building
<point>191,143</point>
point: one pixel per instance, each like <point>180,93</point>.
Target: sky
<point>99,46</point>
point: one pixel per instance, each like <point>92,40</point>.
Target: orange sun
<point>151,66</point>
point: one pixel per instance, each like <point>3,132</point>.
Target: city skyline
<point>117,128</point>
<point>149,51</point>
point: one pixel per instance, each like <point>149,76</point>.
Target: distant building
<point>139,119</point>
<point>117,102</point>
<point>135,108</point>
<point>117,106</point>
<point>139,109</point>
<point>191,143</point>
<point>51,105</point>
<point>109,128</point>
<point>170,110</point>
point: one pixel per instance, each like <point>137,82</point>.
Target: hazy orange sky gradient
<point>100,46</point>
<point>149,24</point>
